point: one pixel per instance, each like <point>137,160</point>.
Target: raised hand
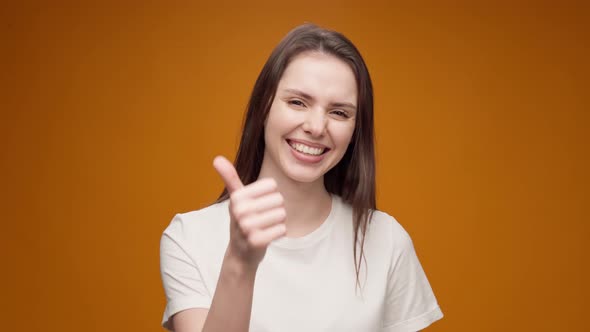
<point>257,214</point>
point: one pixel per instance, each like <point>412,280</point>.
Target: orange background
<point>113,113</point>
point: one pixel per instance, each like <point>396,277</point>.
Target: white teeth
<point>307,149</point>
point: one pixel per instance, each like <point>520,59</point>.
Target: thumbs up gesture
<point>256,211</point>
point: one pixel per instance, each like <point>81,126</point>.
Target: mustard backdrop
<point>113,112</point>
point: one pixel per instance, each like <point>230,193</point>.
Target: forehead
<point>321,75</point>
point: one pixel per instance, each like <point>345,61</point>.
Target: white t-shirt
<point>306,283</point>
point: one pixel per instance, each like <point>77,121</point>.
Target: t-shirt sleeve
<point>181,277</point>
<point>410,304</point>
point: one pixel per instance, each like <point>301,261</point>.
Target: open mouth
<point>306,149</point>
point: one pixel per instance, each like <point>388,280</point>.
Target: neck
<point>307,204</point>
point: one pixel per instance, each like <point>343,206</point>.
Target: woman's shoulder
<point>387,227</point>
<point>207,220</point>
<point>384,219</point>
<point>198,238</point>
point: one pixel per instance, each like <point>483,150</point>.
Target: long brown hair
<point>353,178</point>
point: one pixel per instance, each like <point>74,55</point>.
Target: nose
<point>315,122</point>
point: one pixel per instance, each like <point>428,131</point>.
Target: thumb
<point>228,174</point>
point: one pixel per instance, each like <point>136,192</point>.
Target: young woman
<point>295,243</point>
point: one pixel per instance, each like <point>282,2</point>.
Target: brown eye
<point>341,114</point>
<point>296,102</point>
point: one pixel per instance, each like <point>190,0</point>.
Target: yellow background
<point>113,112</point>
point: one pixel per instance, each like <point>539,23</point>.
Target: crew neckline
<point>316,235</point>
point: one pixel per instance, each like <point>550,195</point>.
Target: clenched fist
<point>256,211</point>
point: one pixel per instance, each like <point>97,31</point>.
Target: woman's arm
<point>257,217</point>
<point>231,305</point>
<point>189,320</point>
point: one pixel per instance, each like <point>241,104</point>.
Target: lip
<point>308,143</point>
<point>306,158</point>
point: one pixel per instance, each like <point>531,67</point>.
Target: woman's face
<point>312,117</point>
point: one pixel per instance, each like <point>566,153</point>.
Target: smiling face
<point>311,119</point>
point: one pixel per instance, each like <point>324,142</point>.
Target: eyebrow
<point>310,97</point>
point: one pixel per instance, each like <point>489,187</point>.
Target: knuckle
<point>272,183</point>
<point>256,242</point>
<point>281,231</point>
<point>245,225</point>
<point>236,196</point>
<point>280,199</point>
<point>239,210</point>
<point>281,214</point>
<point>233,199</point>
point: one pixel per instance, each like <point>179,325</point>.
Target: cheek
<point>271,121</point>
<point>282,120</point>
<point>342,133</point>
<point>275,127</point>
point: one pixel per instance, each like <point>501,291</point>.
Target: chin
<point>303,175</point>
